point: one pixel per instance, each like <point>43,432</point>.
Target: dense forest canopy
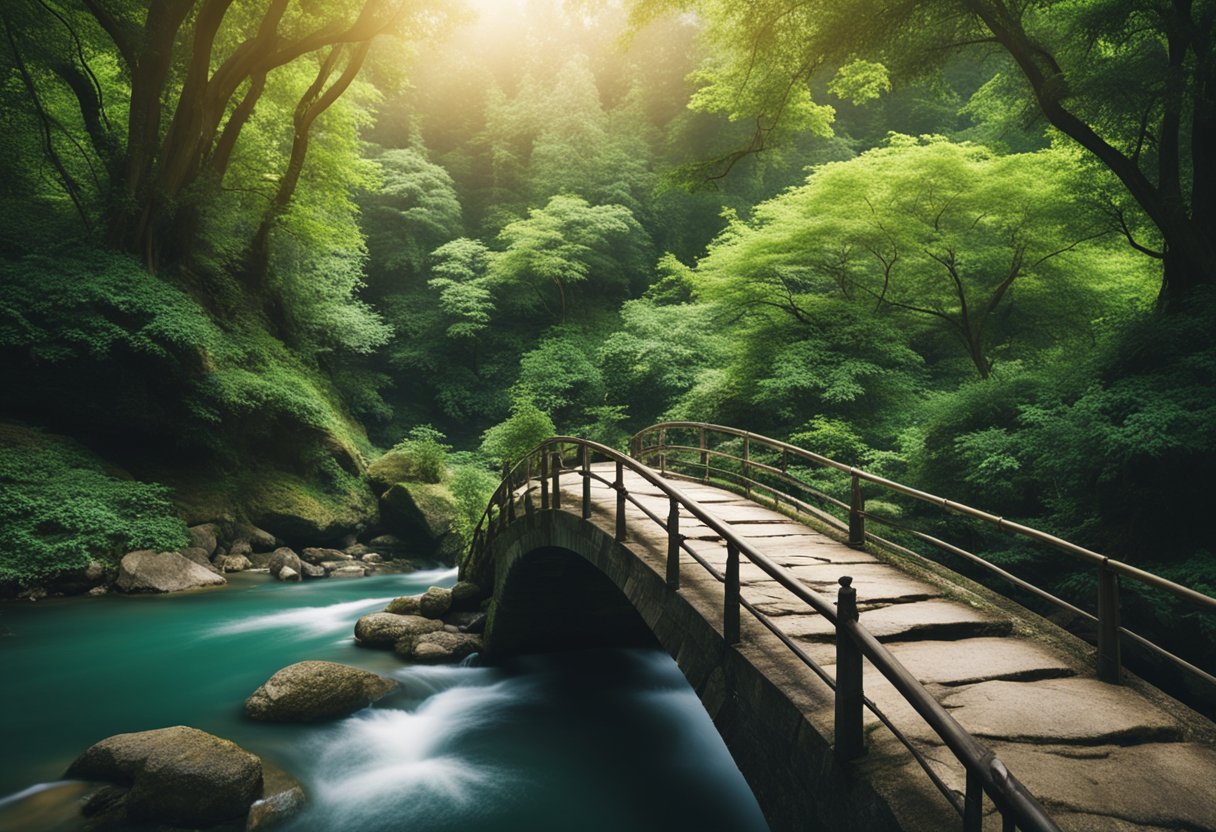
<point>249,246</point>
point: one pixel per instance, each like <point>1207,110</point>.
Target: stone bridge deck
<point>1099,756</point>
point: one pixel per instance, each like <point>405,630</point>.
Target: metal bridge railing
<point>652,444</point>
<point>540,472</point>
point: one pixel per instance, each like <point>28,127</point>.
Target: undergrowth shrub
<point>61,508</point>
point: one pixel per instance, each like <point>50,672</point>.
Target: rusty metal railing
<point>652,444</point>
<point>540,472</point>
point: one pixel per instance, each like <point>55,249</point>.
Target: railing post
<point>704,458</point>
<point>673,546</point>
<point>857,518</point>
<point>544,480</point>
<point>730,605</point>
<point>528,507</point>
<point>1109,660</point>
<point>556,468</point>
<point>850,741</point>
<point>747,466</point>
<point>619,485</point>
<point>973,803</point>
<point>663,451</point>
<point>586,460</point>
<point>508,488</point>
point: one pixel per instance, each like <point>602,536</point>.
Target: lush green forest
<point>248,248</point>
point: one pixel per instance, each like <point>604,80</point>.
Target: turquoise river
<point>597,741</point>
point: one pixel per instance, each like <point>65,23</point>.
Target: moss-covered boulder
<point>423,514</point>
<point>313,690</point>
<point>299,512</point>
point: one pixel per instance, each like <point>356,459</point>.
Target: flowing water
<point>607,740</point>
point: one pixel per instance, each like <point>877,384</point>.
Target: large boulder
<point>308,691</point>
<point>317,556</point>
<point>435,602</point>
<point>148,571</point>
<point>384,629</point>
<point>422,513</point>
<point>260,540</point>
<point>179,776</point>
<point>439,646</point>
<point>204,536</point>
<point>283,558</point>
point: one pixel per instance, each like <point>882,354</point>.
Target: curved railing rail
<point>652,444</point>
<point>541,470</point>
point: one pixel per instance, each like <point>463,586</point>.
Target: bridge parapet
<point>764,467</point>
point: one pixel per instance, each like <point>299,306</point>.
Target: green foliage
<point>414,210</point>
<point>88,304</point>
<point>568,242</point>
<point>472,486</point>
<point>426,452</point>
<point>61,507</point>
<point>526,427</point>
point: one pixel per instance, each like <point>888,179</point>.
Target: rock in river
<point>148,571</point>
<point>179,776</point>
<point>435,602</point>
<point>281,558</point>
<point>313,690</point>
<point>440,646</point>
<point>384,629</point>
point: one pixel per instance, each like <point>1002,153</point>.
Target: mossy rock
<point>298,512</point>
<point>419,510</point>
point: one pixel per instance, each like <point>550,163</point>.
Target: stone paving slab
<point>973,660</point>
<point>919,620</point>
<point>1098,713</point>
<point>1165,785</point>
<point>874,582</point>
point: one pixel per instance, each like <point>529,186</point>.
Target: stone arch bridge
<point>858,685</point>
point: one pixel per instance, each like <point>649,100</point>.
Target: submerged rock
<point>312,690</point>
<point>385,628</point>
<point>148,571</point>
<point>440,646</point>
<point>288,574</point>
<point>180,776</point>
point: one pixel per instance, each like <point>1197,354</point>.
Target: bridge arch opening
<point>552,599</point>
